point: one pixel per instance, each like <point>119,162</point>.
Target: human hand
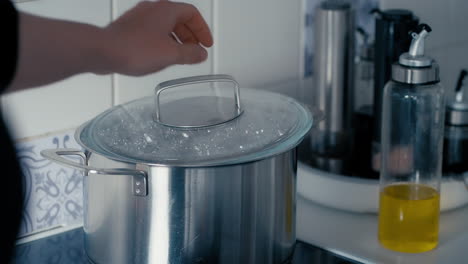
<point>141,41</point>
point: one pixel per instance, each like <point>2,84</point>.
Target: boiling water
<point>409,217</point>
<point>130,131</point>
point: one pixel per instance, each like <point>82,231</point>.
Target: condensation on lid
<point>270,124</point>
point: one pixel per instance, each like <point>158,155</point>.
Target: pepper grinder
<point>331,140</point>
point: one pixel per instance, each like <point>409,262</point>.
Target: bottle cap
<point>414,67</point>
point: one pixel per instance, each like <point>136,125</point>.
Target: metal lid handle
<point>196,80</point>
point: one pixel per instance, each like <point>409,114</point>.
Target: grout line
<point>114,79</point>
<point>113,9</point>
<point>47,134</point>
<point>46,233</point>
<point>113,91</point>
<point>302,39</point>
<point>214,30</point>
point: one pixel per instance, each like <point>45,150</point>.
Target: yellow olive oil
<point>409,217</point>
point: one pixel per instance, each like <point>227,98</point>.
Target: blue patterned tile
<point>53,193</point>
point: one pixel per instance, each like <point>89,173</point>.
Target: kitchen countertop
<point>354,235</point>
<point>337,237</point>
<point>325,235</point>
<point>67,248</point>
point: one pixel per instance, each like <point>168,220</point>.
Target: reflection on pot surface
<point>231,214</point>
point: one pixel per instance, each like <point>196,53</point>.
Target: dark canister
<point>392,38</point>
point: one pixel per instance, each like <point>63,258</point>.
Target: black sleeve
<point>11,194</point>
<point>8,42</point>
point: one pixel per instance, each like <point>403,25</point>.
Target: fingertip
<point>208,43</point>
<point>194,21</point>
<point>204,54</point>
<point>191,54</point>
<point>205,37</point>
<point>200,55</point>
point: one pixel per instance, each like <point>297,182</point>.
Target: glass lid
<point>194,128</point>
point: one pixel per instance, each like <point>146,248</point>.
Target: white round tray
<point>362,195</point>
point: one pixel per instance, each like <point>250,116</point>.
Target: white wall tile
<point>128,88</point>
<point>433,12</point>
<point>67,103</point>
<point>258,41</point>
<point>56,107</point>
<point>452,58</point>
<point>87,11</point>
<point>447,18</point>
<point>458,10</point>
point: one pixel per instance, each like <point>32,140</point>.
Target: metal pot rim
<point>129,160</point>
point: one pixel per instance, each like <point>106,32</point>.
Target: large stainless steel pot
<point>237,211</point>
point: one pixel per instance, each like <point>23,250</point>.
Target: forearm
<point>137,43</point>
<point>51,50</point>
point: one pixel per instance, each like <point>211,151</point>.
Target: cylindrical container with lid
<point>411,156</point>
<point>334,34</point>
<point>363,108</point>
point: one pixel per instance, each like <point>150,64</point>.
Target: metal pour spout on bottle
<point>411,153</point>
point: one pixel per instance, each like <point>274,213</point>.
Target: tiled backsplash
<point>53,193</point>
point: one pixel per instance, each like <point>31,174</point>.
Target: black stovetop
<point>68,248</point>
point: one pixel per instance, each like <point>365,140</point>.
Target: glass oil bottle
<point>411,158</point>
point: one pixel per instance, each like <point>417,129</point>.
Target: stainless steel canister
<point>334,29</point>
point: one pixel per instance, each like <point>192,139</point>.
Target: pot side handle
<point>140,178</point>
